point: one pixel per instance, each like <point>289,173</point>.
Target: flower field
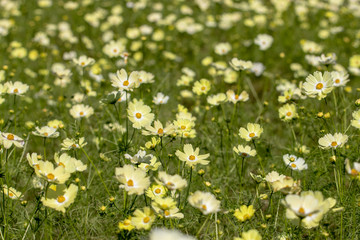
<point>180,120</point>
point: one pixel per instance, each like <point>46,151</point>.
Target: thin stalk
<point>97,171</point>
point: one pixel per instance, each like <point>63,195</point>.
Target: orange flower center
<point>170,184</point>
<point>11,194</point>
<point>167,213</point>
<point>236,97</point>
<point>82,63</point>
<point>354,172</point>
<point>138,115</point>
<point>183,127</point>
<point>61,164</point>
<point>334,144</point>
<point>157,191</point>
<point>46,134</point>
<point>244,154</point>
<point>203,88</point>
<point>130,183</point>
<point>252,135</point>
<point>140,80</point>
<point>292,159</point>
<point>302,210</point>
<point>10,137</point>
<point>160,131</point>
<point>50,176</point>
<point>337,81</point>
<point>115,50</point>
<point>126,83</point>
<point>16,90</point>
<point>191,157</point>
<point>288,114</point>
<point>61,199</point>
<point>146,219</point>
<point>293,165</point>
<point>319,86</point>
<point>204,207</point>
<point>81,113</point>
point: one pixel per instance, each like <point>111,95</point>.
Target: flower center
<point>319,86</point>
<point>292,159</point>
<point>354,172</point>
<point>236,97</point>
<point>61,164</point>
<point>140,80</point>
<point>203,88</point>
<point>50,176</point>
<point>130,183</point>
<point>46,134</point>
<point>146,219</point>
<point>252,135</point>
<point>10,137</point>
<point>170,184</point>
<point>288,114</point>
<point>244,154</point>
<point>115,50</point>
<point>16,90</point>
<point>183,127</point>
<point>166,212</point>
<point>61,199</point>
<point>81,113</point>
<point>337,81</point>
<point>191,157</point>
<point>126,83</point>
<point>302,210</point>
<point>160,131</point>
<point>293,165</point>
<point>204,207</point>
<point>82,63</point>
<point>11,194</point>
<point>157,191</point>
<point>138,115</point>
<point>334,144</point>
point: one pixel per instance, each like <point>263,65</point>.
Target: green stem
<point>97,171</point>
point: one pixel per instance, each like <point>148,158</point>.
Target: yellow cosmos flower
<point>244,213</point>
<point>47,171</point>
<point>201,87</point>
<point>61,198</point>
<point>172,182</point>
<point>288,112</point>
<point>156,191</point>
<point>309,207</point>
<point>143,219</point>
<point>252,131</point>
<point>11,192</point>
<point>121,80</point>
<point>81,111</point>
<point>46,132</point>
<point>158,129</point>
<point>126,225</point>
<point>192,157</point>
<point>252,234</point>
<point>244,151</point>
<point>333,141</point>
<point>205,202</point>
<point>234,98</point>
<point>318,85</point>
<point>133,180</point>
<point>9,139</point>
<point>139,114</point>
